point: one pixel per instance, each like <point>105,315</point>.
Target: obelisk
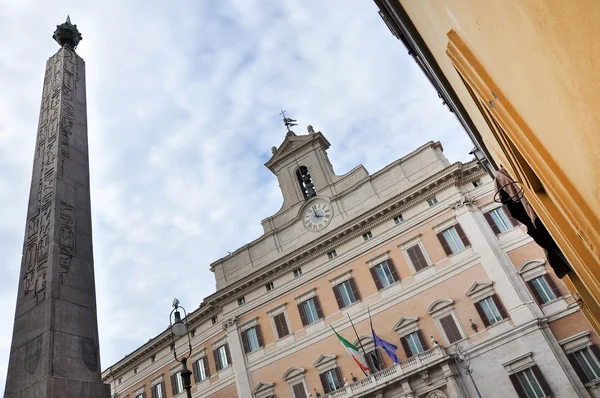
<point>54,351</point>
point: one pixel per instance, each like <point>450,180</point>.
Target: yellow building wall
<point>536,61</point>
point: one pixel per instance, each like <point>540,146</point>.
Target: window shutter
<point>514,379</point>
<point>354,289</point>
<point>406,347</point>
<point>445,245</point>
<point>299,390</point>
<point>281,325</point>
<point>259,336</point>
<point>318,307</point>
<point>174,384</point>
<point>416,257</point>
<point>278,328</point>
<point>536,295</point>
<point>552,285</point>
<point>376,279</point>
<point>206,367</point>
<point>302,313</point>
<point>577,368</point>
<point>245,344</point>
<point>462,235</point>
<point>499,306</point>
<point>228,354</point>
<point>540,378</point>
<point>153,391</point>
<point>492,223</point>
<point>217,362</point>
<point>163,391</point>
<point>486,321</point>
<point>338,376</point>
<point>195,371</point>
<point>324,383</point>
<point>422,339</point>
<point>393,271</point>
<point>450,328</point>
<point>513,221</point>
<point>596,351</point>
<point>338,296</point>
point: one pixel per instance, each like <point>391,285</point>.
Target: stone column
<point>242,378</point>
<point>453,390</point>
<point>407,390</point>
<point>496,263</point>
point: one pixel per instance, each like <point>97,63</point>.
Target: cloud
<point>183,103</point>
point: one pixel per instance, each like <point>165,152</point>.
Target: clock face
<point>317,216</point>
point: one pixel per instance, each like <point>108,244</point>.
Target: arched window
<point>305,180</point>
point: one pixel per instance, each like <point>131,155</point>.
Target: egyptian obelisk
<point>54,351</point>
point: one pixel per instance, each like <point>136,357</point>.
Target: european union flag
<point>388,347</point>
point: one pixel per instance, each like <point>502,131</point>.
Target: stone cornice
<point>454,174</point>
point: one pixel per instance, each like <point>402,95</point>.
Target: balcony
<point>392,375</point>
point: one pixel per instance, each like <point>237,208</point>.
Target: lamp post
<point>178,329</point>
<point>467,367</point>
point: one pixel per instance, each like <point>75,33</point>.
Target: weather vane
<point>289,122</point>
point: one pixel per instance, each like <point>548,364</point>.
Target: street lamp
<point>178,329</point>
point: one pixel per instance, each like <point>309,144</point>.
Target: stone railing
<point>386,376</point>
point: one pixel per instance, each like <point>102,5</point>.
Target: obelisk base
<point>54,387</point>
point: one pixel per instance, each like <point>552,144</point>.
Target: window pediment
<point>532,269</point>
<point>480,290</point>
<point>292,373</point>
<point>264,389</point>
<point>439,305</point>
<point>325,360</point>
<point>406,325</point>
<point>366,341</point>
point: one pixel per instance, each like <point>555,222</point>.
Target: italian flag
<point>353,351</point>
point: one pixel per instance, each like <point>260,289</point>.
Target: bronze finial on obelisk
<point>54,351</point>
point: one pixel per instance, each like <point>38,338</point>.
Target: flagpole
<point>366,375</point>
<point>359,342</point>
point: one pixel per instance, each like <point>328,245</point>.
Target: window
<point>331,380</point>
<point>252,339</point>
<point>222,357</point>
<point>299,390</point>
<point>585,364</point>
<point>490,310</point>
<point>413,343</point>
<point>177,383</point>
<point>158,390</point>
<point>201,369</point>
<point>332,254</point>
<point>384,274</point>
<point>477,183</point>
<point>120,380</point>
<point>310,311</point>
<point>171,347</point>
<point>416,257</point>
<point>450,328</point>
<point>375,361</point>
<point>270,286</point>
<point>241,300</point>
<point>453,239</point>
<point>193,332</point>
<point>398,219</point>
<point>499,220</point>
<point>530,383</point>
<point>432,201</point>
<point>140,395</point>
<point>346,293</point>
<point>544,289</point>
<point>368,235</point>
<point>135,370</point>
<point>152,358</point>
<point>297,272</point>
<point>214,320</point>
<point>281,325</point>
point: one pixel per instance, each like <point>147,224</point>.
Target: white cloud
<point>183,103</point>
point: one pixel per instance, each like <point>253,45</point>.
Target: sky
<point>183,105</point>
